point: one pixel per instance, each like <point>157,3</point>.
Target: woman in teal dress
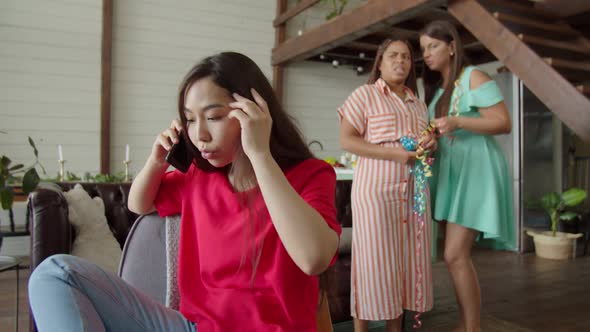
<point>470,187</point>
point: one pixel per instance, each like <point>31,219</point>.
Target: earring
<point>452,53</point>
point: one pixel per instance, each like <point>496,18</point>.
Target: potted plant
<point>17,179</point>
<point>553,244</point>
<point>337,8</point>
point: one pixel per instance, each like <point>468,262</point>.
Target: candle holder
<point>61,172</point>
<point>126,162</point>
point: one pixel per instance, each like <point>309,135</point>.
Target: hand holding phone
<point>179,156</point>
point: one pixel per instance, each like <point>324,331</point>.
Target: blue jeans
<point>67,293</point>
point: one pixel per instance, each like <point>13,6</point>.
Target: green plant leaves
<point>550,201</point>
<point>30,181</point>
<point>331,15</point>
<point>4,171</point>
<point>11,176</point>
<point>554,219</point>
<point>556,204</point>
<point>5,161</point>
<point>72,177</point>
<point>573,196</point>
<point>337,9</point>
<point>16,167</point>
<point>569,215</point>
<point>32,144</point>
<point>7,196</point>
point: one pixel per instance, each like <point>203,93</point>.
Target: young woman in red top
<point>258,222</point>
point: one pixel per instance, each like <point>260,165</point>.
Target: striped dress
<point>384,268</point>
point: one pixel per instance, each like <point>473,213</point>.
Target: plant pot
<point>560,246</point>
<point>19,195</point>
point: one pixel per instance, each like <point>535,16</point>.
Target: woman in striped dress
<point>390,260</point>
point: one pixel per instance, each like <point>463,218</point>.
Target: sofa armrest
<point>51,232</point>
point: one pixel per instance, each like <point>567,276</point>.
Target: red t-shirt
<point>215,252</point>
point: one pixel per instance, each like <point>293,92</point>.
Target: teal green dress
<point>471,184</point>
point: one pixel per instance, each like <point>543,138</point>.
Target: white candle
<point>60,152</point>
<point>126,152</point>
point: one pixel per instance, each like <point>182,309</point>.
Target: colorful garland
<point>456,97</point>
<point>421,171</point>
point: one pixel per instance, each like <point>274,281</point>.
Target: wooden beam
<point>562,45</point>
<point>560,96</point>
<point>413,35</point>
<point>105,86</point>
<point>337,56</point>
<point>564,8</point>
<point>566,64</point>
<point>530,11</point>
<point>286,15</point>
<point>372,16</point>
<point>551,27</point>
<point>399,32</point>
<point>435,14</point>
<point>585,89</point>
<point>481,57</point>
<point>583,41</point>
<point>278,70</point>
<point>473,45</point>
<point>362,46</point>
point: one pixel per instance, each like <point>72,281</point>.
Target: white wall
<point>155,44</point>
<point>50,73</point>
<point>313,91</point>
<point>314,16</point>
<point>50,81</point>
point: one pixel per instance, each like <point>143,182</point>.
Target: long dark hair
<point>376,72</point>
<point>445,31</point>
<point>237,73</point>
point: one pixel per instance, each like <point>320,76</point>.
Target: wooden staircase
<point>547,54</point>
<point>551,57</point>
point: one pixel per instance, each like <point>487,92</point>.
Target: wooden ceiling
<point>525,18</point>
<point>546,48</point>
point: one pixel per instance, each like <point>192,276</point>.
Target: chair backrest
<point>143,264</point>
<point>143,260</point>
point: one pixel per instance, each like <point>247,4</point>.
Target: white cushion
<point>94,240</point>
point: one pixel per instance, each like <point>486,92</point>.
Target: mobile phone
<point>179,156</point>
